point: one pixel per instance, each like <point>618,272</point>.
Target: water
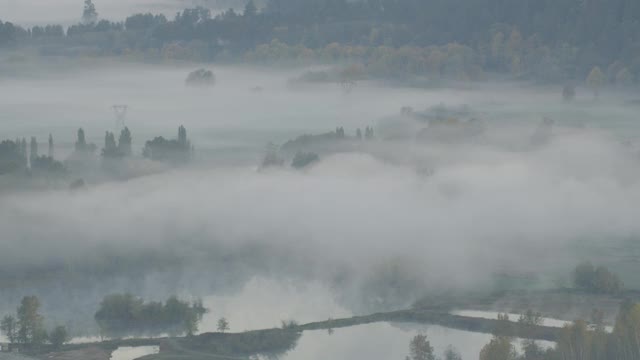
<point>551,322</point>
<point>512,317</point>
<point>131,353</point>
<point>383,341</point>
<point>278,301</point>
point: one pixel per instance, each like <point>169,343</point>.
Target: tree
<point>89,14</point>
<point>33,150</point>
<point>81,143</point>
<point>250,9</point>
<point>11,157</point>
<point>597,280</point>
<point>368,133</point>
<point>124,142</point>
<point>110,148</point>
<point>595,80</point>
<point>530,318</point>
<point>23,150</point>
<point>58,336</point>
<point>420,348</point>
<point>271,157</point>
<point>575,341</point>
<point>624,77</point>
<point>9,327</point>
<point>452,354</point>
<point>500,348</point>
<point>182,137</point>
<point>583,274</point>
<point>223,325</point>
<point>627,330</point>
<point>30,322</point>
<point>125,314</point>
<point>201,77</point>
<point>51,146</point>
<point>176,150</point>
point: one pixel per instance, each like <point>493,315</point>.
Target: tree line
<point>579,340</point>
<point>118,315</point>
<point>16,155</point>
<point>546,40</point>
<point>26,329</point>
<point>124,314</point>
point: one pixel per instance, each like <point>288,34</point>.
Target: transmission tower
<point>121,114</point>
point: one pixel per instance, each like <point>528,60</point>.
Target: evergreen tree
<point>110,149</point>
<point>33,150</point>
<point>81,143</point>
<point>182,137</point>
<point>51,146</point>
<point>124,142</point>
<point>23,151</point>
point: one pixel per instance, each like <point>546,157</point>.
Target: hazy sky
<point>68,12</point>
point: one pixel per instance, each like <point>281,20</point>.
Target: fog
<point>363,230</point>
<point>581,187</point>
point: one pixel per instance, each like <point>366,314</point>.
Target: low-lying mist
<point>379,225</point>
<point>484,209</point>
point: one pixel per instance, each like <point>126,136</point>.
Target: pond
<point>131,353</point>
<point>551,322</point>
<point>386,341</point>
<point>278,301</point>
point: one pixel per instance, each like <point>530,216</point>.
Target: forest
<point>465,40</point>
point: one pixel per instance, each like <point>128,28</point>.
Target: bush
<point>201,77</point>
<point>59,336</point>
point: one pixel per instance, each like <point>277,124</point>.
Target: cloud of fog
<point>485,209</point>
<point>355,220</point>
